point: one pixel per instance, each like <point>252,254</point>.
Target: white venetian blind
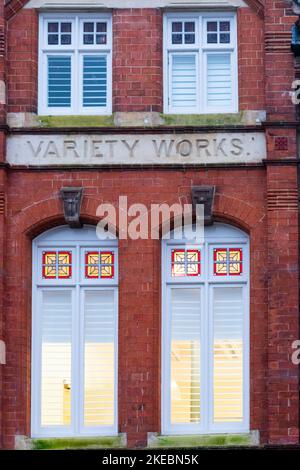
<point>185,355</point>
<point>219,81</point>
<point>183,81</point>
<point>228,318</point>
<point>99,346</point>
<point>56,336</point>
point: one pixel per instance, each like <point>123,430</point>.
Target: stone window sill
<point>101,442</point>
<point>207,440</point>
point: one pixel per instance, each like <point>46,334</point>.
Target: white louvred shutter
<point>99,357</point>
<point>185,355</point>
<point>56,344</point>
<point>183,82</point>
<point>219,93</point>
<point>59,81</point>
<point>228,320</point>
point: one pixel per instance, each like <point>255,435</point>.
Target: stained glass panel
<point>228,261</point>
<point>186,263</point>
<point>99,265</point>
<point>57,265</point>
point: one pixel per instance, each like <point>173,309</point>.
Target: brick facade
<point>261,199</point>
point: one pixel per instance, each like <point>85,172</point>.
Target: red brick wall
<point>22,64</point>
<point>240,199</point>
<point>280,67</point>
<point>251,60</point>
<point>137,60</point>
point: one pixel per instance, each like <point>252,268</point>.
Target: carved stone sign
<point>131,149</point>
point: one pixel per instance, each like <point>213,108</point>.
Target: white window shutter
<point>56,348</point>
<point>59,81</point>
<point>99,353</point>
<point>183,82</point>
<point>185,355</point>
<point>228,321</point>
<point>219,81</point>
<point>94,81</point>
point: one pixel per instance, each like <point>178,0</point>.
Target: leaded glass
<point>228,261</point>
<point>57,265</point>
<point>186,263</point>
<point>99,265</point>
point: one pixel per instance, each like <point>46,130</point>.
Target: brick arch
<point>46,214</point>
<point>13,6</point>
<point>237,212</point>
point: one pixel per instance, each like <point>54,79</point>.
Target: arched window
<point>205,333</point>
<point>74,333</point>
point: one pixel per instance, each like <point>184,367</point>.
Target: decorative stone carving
<point>204,195</point>
<point>72,198</point>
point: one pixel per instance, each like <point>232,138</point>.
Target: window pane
<point>59,81</point>
<point>189,27</point>
<point>101,39</point>
<point>224,38</point>
<point>212,26</point>
<point>56,334</point>
<point>88,39</point>
<point>101,28</point>
<point>177,27</point>
<point>189,38</point>
<point>99,363</point>
<point>224,26</point>
<point>212,38</point>
<point>53,39</point>
<point>177,39</point>
<point>88,27</point>
<point>219,84</point>
<point>184,81</point>
<point>66,39</point>
<point>185,356</point>
<point>94,81</point>
<point>66,27</point>
<point>228,354</point>
<point>52,27</point>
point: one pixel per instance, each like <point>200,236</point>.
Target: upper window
<point>75,64</point>
<point>200,63</point>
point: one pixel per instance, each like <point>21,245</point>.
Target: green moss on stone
<point>202,119</point>
<point>76,121</point>
<point>77,443</point>
<point>202,441</point>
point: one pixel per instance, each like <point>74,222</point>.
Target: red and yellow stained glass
<point>99,265</point>
<point>57,265</point>
<point>228,261</point>
<point>186,263</point>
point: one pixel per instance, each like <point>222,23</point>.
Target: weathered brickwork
<point>262,199</point>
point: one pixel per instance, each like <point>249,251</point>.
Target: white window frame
<point>76,240</point>
<point>76,51</point>
<point>200,48</point>
<point>219,235</point>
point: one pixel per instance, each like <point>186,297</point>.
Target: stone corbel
<point>204,195</point>
<point>72,198</point>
